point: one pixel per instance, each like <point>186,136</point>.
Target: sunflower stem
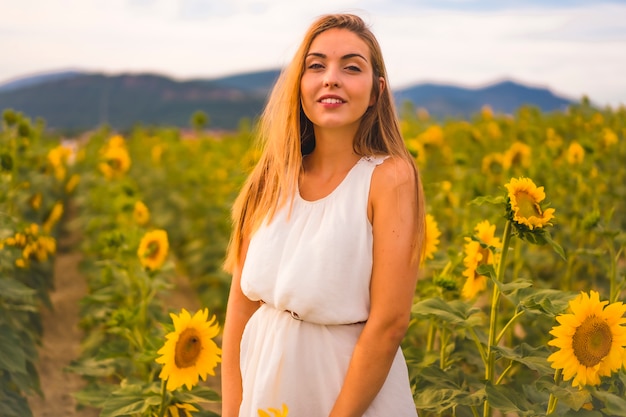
<point>445,336</point>
<point>508,324</point>
<point>552,402</point>
<point>479,346</point>
<point>163,396</point>
<point>613,293</point>
<point>495,298</point>
<point>430,339</point>
<point>505,372</point>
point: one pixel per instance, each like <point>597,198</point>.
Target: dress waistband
<point>295,315</point>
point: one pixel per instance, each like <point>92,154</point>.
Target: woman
<point>327,240</point>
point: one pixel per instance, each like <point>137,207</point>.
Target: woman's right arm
<point>238,311</point>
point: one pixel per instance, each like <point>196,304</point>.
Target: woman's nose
<point>331,78</point>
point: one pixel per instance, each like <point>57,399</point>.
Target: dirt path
<point>61,343</point>
<point>62,336</point>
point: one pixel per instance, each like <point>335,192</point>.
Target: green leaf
<point>613,404</point>
<point>15,290</point>
<point>581,413</point>
<point>486,270</point>
<point>129,399</point>
<point>509,400</point>
<point>568,395</point>
<point>552,302</point>
<point>94,367</point>
<point>12,358</point>
<point>13,405</point>
<point>479,201</point>
<point>94,395</point>
<point>510,287</point>
<point>557,248</point>
<point>197,394</point>
<point>439,399</point>
<point>454,312</point>
<point>533,358</point>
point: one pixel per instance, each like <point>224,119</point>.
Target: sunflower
<point>519,154</point>
<point>275,412</point>
<point>141,214</point>
<point>153,249</point>
<point>115,162</point>
<point>575,154</point>
<point>189,351</point>
<point>58,157</point>
<point>493,164</point>
<point>178,409</point>
<point>433,135</point>
<point>524,209</point>
<point>477,253</point>
<point>71,184</point>
<point>35,201</point>
<point>432,237</point>
<point>591,339</point>
<point>55,215</point>
<point>609,138</point>
<point>116,141</point>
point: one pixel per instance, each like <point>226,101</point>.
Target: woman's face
<point>336,86</point>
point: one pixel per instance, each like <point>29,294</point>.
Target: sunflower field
<point>518,309</point>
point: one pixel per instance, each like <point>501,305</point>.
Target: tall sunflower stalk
<point>493,318</point>
<point>525,219</point>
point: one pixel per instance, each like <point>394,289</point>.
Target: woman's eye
<point>353,68</point>
<point>315,65</point>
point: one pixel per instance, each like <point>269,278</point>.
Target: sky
<point>575,48</point>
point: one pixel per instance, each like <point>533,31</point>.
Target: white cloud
<point>574,50</point>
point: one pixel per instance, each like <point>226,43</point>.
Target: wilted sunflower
<point>189,351</point>
<point>153,249</point>
<point>477,253</point>
<point>591,339</point>
<point>141,214</point>
<point>523,204</point>
<point>432,237</point>
<point>275,412</point>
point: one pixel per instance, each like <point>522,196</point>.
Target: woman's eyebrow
<point>346,56</point>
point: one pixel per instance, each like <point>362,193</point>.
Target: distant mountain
<point>32,80</point>
<point>88,100</point>
<point>259,82</point>
<point>502,97</point>
<point>79,101</point>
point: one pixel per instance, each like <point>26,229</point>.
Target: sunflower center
<point>188,348</point>
<point>592,341</point>
<point>152,250</point>
<point>115,163</point>
<point>527,206</point>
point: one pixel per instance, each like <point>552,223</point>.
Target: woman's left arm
<point>393,211</point>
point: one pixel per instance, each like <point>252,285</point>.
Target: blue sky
<point>573,47</point>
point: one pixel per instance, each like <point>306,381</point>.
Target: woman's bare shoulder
<point>393,173</point>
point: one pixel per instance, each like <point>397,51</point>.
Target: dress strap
<point>376,159</point>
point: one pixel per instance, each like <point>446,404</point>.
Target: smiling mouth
<point>331,101</point>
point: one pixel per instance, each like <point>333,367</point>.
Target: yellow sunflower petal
<point>189,352</point>
<point>591,340</point>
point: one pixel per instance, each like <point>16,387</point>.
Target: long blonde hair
<point>285,134</point>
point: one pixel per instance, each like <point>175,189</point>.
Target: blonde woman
<point>328,233</point>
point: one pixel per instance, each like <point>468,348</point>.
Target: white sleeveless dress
<point>312,271</point>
